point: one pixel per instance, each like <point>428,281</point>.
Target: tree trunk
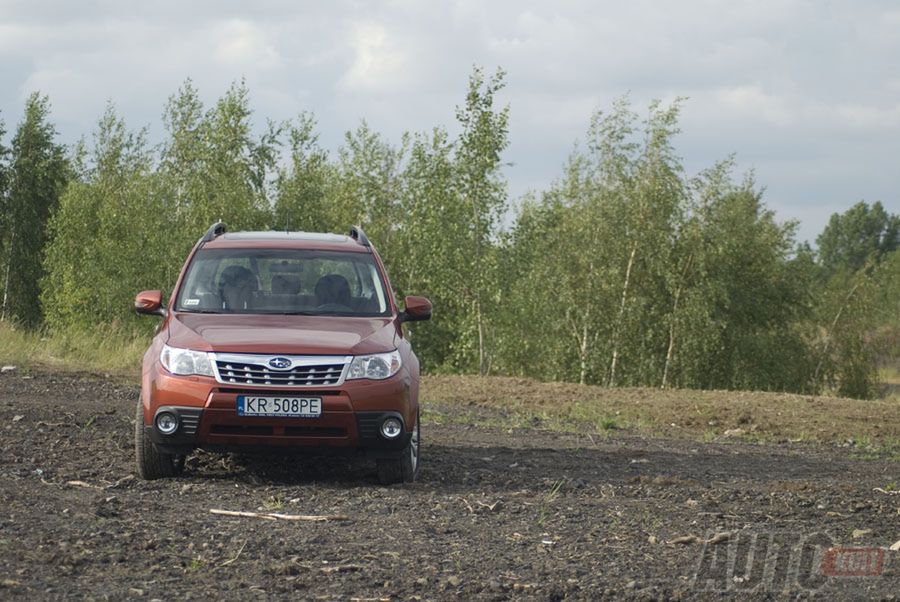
<point>482,367</point>
<point>615,354</point>
<point>670,351</point>
<point>834,322</point>
<point>583,346</point>
<point>584,349</point>
<point>12,242</point>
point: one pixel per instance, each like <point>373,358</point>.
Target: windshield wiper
<point>200,311</point>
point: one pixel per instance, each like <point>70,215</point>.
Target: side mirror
<point>417,309</point>
<point>149,303</point>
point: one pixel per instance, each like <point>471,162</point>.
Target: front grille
<point>259,374</point>
<point>284,392</point>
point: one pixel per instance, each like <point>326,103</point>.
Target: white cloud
<point>378,63</point>
<point>242,44</point>
<point>805,91</point>
<point>752,102</point>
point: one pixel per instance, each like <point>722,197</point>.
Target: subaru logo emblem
<point>280,363</point>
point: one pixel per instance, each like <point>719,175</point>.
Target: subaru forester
<point>280,340</point>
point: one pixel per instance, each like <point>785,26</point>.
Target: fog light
<point>166,423</point>
<point>391,428</point>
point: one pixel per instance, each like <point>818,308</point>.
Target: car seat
<point>236,287</point>
<point>333,289</point>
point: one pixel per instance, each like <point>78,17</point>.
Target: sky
<point>804,93</point>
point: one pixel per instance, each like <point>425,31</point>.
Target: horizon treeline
<point>625,271</point>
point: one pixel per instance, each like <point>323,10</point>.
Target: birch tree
<point>117,206</point>
<point>482,188</point>
<point>300,201</point>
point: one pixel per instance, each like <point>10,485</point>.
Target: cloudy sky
<point>805,92</point>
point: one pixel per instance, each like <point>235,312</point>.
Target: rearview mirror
<point>417,309</point>
<point>149,303</point>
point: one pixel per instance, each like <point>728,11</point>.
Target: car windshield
<point>283,281</point>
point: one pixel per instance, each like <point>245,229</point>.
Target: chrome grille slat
<point>306,371</point>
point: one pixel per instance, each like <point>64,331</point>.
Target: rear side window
<point>279,281</point>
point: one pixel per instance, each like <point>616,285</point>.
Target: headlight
<point>185,361</point>
<point>377,367</point>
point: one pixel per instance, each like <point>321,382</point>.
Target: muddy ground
<point>497,515</point>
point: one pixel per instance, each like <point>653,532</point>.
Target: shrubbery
<point>626,271</point>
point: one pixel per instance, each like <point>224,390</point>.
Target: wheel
<point>405,467</point>
<point>152,463</point>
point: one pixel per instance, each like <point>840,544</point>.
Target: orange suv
<point>280,340</point>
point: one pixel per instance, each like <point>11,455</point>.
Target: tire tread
<point>152,463</point>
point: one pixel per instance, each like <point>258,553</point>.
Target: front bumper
<point>219,431</point>
<point>350,420</point>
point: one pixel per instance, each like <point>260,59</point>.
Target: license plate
<point>279,407</point>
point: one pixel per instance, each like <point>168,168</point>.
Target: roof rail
<point>357,234</point>
<point>217,229</point>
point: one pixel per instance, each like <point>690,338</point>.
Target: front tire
<point>405,467</point>
<point>152,463</point>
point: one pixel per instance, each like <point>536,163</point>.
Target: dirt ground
<point>498,514</point>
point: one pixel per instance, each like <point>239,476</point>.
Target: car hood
<point>288,335</point>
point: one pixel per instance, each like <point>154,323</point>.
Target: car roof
<point>286,240</point>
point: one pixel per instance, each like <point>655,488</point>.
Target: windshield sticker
<point>188,302</point>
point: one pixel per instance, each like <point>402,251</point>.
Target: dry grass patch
<point>700,415</point>
<point>100,350</point>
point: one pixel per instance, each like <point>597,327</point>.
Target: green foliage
<point>625,271</point>
<point>431,254</point>
<point>756,298</point>
<point>4,203</point>
<point>846,360</point>
<point>301,186</point>
<point>365,186</point>
<point>860,234</point>
<point>857,318</point>
<point>212,167</point>
<point>482,191</point>
<point>37,176</point>
<point>104,246</point>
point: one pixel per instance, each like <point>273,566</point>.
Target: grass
<point>516,403</point>
<point>274,503</point>
<point>758,417</point>
<point>102,350</point>
<point>547,501</point>
<point>889,376</point>
<point>608,424</point>
<point>890,373</point>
